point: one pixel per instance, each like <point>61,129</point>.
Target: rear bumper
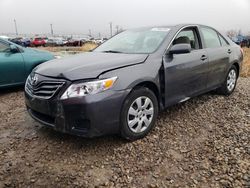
<point>88,116</point>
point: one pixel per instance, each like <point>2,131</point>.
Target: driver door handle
<point>203,57</point>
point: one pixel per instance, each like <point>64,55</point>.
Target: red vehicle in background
<point>38,41</point>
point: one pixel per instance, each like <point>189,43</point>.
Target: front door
<point>186,74</point>
<point>12,70</point>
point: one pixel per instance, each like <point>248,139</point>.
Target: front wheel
<point>230,82</point>
<point>139,114</point>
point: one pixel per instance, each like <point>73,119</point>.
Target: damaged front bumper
<point>88,116</point>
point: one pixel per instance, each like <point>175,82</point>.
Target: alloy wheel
<point>140,114</point>
<point>231,80</point>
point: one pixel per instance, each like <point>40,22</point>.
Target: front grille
<point>44,89</point>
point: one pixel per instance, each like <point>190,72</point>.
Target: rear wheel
<point>138,114</point>
<point>230,82</point>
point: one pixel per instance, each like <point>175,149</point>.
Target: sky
<point>80,16</point>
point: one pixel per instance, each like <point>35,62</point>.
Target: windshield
<point>135,41</point>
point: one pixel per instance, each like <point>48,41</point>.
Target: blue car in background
<point>25,42</point>
<point>241,40</point>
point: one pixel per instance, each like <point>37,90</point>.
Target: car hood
<point>35,51</point>
<point>88,65</point>
<point>33,56</point>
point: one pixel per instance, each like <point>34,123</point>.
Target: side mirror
<point>13,49</point>
<point>180,49</point>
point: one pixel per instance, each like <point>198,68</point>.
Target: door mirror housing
<point>13,49</point>
<point>180,49</point>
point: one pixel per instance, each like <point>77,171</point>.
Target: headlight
<point>88,88</point>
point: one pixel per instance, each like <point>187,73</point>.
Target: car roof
<point>176,26</point>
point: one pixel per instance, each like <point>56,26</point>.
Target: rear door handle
<point>229,51</point>
<point>203,57</point>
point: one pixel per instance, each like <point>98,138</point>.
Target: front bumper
<point>89,116</point>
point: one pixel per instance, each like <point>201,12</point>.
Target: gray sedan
<point>119,87</point>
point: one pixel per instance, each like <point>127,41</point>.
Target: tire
<point>227,89</point>
<point>144,115</point>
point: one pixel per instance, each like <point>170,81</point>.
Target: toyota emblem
<point>34,80</point>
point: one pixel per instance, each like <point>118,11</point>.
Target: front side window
<point>188,36</point>
<point>211,38</point>
<point>135,41</point>
<point>3,47</point>
<point>223,41</point>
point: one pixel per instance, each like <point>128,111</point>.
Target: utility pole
<point>90,33</point>
<point>51,29</point>
<point>99,35</point>
<point>15,26</point>
<point>111,28</point>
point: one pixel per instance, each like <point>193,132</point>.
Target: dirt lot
<point>204,142</point>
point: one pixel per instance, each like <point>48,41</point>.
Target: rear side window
<point>3,47</point>
<point>223,41</point>
<point>211,37</point>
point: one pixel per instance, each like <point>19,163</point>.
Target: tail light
<point>242,54</point>
<point>242,51</point>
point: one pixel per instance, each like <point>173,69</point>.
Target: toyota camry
<point>119,87</point>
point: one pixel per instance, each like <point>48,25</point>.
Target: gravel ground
<point>204,142</point>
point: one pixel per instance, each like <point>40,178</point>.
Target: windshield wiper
<point>111,51</point>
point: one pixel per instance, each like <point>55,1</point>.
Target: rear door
<point>218,51</point>
<point>186,74</point>
<point>11,66</point>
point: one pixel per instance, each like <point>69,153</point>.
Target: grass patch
<point>246,63</point>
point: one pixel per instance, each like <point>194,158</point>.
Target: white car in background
<point>99,40</point>
<point>4,37</point>
<point>55,41</point>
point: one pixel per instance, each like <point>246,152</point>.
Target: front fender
<point>34,58</point>
<point>129,77</point>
